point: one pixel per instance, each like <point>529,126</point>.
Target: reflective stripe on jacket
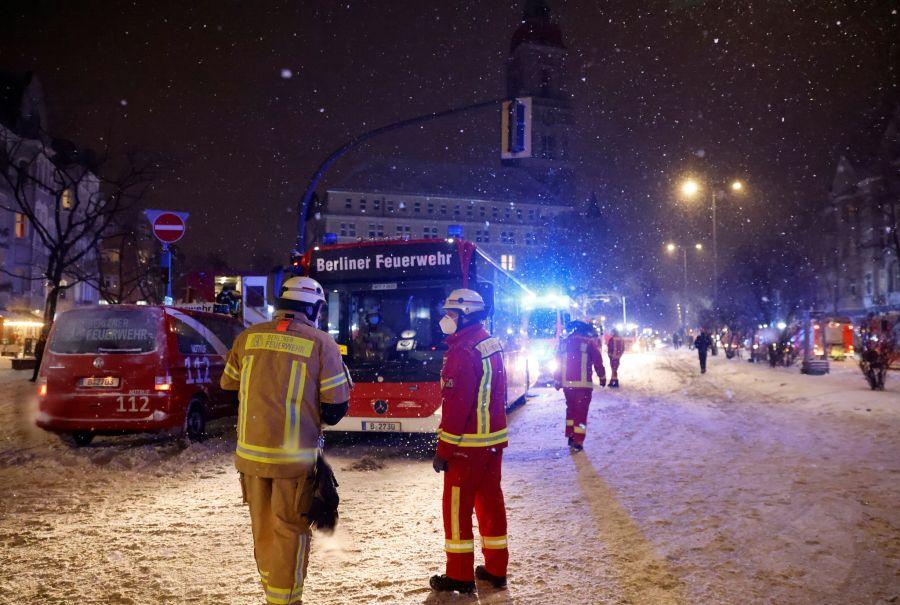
<point>579,356</point>
<point>473,393</point>
<point>283,371</point>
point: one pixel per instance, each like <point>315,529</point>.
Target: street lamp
<point>671,248</point>
<point>691,187</point>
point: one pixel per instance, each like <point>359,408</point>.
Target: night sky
<point>768,91</point>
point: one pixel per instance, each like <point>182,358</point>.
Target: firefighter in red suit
<point>471,439</point>
<point>615,348</point>
<point>578,356</point>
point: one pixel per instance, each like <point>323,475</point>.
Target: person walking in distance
<point>702,343</point>
<point>578,357</point>
<point>471,439</point>
<point>290,378</point>
<point>615,348</point>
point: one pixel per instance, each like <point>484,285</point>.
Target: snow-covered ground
<point>744,485</point>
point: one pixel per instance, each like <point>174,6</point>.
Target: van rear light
<point>163,383</point>
<point>42,387</point>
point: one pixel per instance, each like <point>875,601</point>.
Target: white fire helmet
<point>302,290</point>
<point>465,301</point>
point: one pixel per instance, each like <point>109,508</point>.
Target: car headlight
<point>553,365</point>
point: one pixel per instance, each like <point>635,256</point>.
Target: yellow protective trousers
<point>281,534</point>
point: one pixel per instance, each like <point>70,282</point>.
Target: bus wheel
<point>195,421</point>
<point>78,438</point>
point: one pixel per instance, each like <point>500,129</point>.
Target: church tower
<point>537,68</point>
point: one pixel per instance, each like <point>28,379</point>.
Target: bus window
<point>380,319</point>
<point>333,314</point>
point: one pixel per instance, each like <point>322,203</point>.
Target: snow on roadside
<point>744,485</point>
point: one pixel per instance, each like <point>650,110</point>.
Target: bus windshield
<point>390,325</point>
<point>542,323</point>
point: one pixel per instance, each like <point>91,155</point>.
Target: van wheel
<point>195,421</point>
<point>78,438</point>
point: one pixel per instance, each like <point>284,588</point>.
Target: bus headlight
<point>552,365</point>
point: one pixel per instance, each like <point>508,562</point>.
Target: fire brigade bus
<point>384,302</point>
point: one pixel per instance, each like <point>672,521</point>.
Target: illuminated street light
<point>670,247</point>
<point>698,246</point>
<point>691,187</point>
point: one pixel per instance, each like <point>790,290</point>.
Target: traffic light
<point>516,129</point>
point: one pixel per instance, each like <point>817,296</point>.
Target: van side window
<point>225,330</point>
<point>190,342</point>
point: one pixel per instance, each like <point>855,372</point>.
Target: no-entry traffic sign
<point>168,227</point>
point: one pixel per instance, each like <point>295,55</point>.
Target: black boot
<point>614,383</point>
<point>444,584</point>
<point>485,576</point>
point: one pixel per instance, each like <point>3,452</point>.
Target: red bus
<point>112,369</point>
<point>384,301</point>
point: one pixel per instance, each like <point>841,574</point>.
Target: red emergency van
<point>113,369</point>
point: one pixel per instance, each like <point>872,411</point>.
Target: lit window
<point>508,262</point>
<point>68,199</point>
<point>21,226</point>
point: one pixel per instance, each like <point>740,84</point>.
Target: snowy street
<point>745,485</point>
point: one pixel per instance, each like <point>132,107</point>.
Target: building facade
<point>23,254</point>
<point>505,206</point>
<point>860,269</point>
<point>503,209</point>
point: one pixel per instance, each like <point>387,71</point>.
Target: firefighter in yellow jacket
<point>290,378</point>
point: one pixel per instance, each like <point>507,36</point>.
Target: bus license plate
<point>380,426</point>
<point>102,381</point>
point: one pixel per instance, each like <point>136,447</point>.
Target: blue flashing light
<point>329,239</point>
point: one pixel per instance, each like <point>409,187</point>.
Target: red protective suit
<point>471,438</point>
<point>615,348</point>
<point>578,358</point>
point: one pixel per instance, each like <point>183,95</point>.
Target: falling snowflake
<point>287,74</point>
<point>123,102</point>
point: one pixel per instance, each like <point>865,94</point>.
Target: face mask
<point>447,324</point>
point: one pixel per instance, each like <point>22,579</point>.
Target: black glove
<point>439,464</point>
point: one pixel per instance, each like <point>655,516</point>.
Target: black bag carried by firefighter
<point>323,512</point>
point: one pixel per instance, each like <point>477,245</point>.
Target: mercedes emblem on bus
<point>380,406</point>
<point>98,362</point>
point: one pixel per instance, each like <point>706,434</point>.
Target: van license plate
<point>380,426</point>
<point>102,381</point>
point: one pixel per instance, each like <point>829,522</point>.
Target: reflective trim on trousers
<point>299,578</point>
<point>459,546</point>
<point>494,542</point>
